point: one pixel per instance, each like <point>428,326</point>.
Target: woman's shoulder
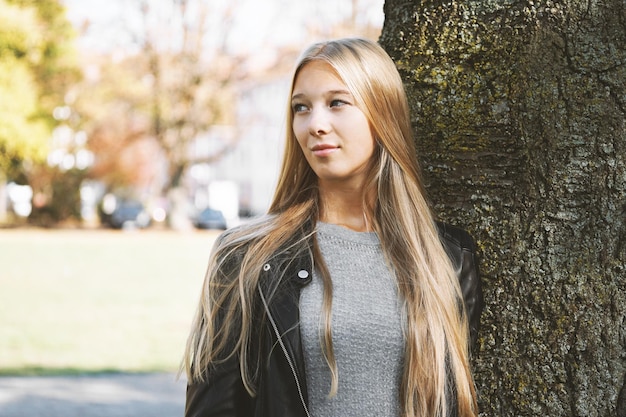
<point>232,244</point>
<point>254,241</point>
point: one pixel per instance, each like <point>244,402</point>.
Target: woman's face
<point>332,131</point>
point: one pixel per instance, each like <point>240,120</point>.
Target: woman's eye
<point>299,108</point>
<point>337,103</point>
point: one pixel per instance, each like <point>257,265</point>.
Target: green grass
<point>92,301</point>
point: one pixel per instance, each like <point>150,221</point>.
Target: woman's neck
<point>344,207</point>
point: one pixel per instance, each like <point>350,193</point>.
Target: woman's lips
<point>323,150</point>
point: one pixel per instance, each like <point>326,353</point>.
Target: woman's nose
<point>319,122</point>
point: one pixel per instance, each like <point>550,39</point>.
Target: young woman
<point>347,298</point>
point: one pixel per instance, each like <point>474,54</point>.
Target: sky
<point>256,23</point>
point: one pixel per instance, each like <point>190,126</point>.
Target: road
<point>102,395</point>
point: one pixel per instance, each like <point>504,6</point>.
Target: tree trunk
<point>519,112</point>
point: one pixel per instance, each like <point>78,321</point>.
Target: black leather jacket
<point>281,388</point>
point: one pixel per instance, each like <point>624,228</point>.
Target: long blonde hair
<point>436,365</point>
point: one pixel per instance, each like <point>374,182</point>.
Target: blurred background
<point>137,113</point>
<point>131,133</point>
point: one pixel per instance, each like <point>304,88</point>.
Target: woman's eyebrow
<point>333,92</point>
<point>327,93</point>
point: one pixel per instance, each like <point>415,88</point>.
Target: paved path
<point>103,395</point>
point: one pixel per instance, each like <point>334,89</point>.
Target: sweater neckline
<point>343,233</point>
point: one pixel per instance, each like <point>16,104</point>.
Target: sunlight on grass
<point>83,301</point>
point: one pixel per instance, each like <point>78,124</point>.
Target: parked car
<point>210,219</point>
<point>128,215</point>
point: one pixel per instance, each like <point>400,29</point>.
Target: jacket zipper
<point>284,349</point>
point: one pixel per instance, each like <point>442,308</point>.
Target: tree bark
<point>519,110</point>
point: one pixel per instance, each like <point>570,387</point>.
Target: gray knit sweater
<point>366,325</point>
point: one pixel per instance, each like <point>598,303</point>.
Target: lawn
<point>89,301</point>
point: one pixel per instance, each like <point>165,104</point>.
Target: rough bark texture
<point>519,111</point>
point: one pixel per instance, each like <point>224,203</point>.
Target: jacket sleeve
<point>462,251</point>
<point>222,394</point>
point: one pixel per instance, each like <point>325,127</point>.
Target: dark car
<point>129,215</point>
<point>210,219</point>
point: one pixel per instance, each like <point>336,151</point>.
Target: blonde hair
<point>436,365</point>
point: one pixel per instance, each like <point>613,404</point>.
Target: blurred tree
<point>37,64</point>
<point>23,134</point>
<point>520,115</point>
<point>57,195</point>
<point>192,75</point>
<point>113,103</point>
<point>171,88</point>
<point>55,62</point>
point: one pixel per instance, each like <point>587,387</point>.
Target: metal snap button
<point>304,274</point>
<point>266,267</point>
